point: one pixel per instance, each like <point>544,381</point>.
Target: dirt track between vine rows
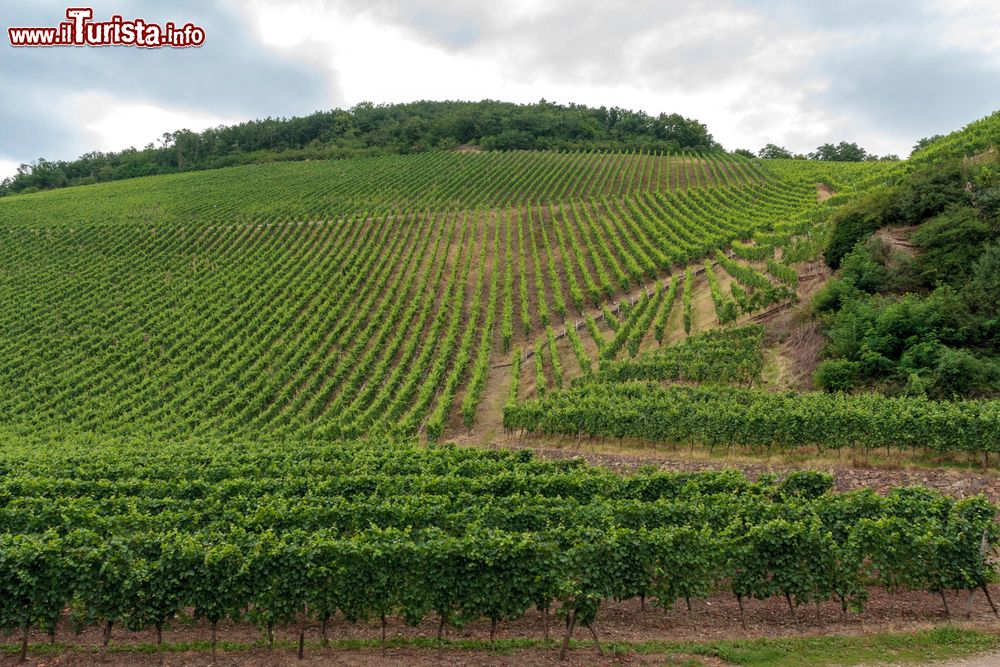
<point>717,618</point>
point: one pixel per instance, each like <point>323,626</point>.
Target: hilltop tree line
<point>368,129</point>
<point>842,152</point>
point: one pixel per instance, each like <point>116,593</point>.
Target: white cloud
<point>375,59</point>
<point>754,72</point>
<point>8,168</point>
<point>970,24</point>
<point>113,124</point>
<point>752,75</point>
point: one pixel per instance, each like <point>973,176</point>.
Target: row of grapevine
<point>725,309</point>
<point>661,319</point>
<point>784,273</point>
<point>753,252</point>
<point>764,292</point>
<point>369,531</point>
<point>686,299</point>
<point>729,416</point>
<point>477,382</point>
<point>721,355</point>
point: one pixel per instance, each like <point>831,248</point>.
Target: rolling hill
<point>229,394</point>
<point>340,298</point>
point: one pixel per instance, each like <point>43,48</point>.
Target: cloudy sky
<point>792,72</point>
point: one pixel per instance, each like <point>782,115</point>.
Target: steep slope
<point>337,299</point>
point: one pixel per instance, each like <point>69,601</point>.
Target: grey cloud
<point>232,74</point>
<point>879,64</point>
<point>844,14</point>
<point>909,88</point>
<point>450,24</point>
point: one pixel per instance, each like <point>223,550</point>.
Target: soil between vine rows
<point>716,618</point>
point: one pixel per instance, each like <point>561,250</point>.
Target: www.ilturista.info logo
<point>80,30</point>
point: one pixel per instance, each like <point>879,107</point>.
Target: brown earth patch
<point>823,192</point>
<point>712,619</point>
<point>793,342</point>
<point>897,240</point>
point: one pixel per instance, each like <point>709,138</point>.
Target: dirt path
<point>985,660</point>
<point>991,659</point>
<point>488,423</point>
<point>359,657</point>
<point>716,618</point>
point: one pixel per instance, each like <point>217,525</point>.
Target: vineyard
<point>299,299</point>
<point>639,398</point>
<point>229,394</point>
<point>305,535</point>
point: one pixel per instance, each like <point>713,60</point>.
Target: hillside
<point>909,325</point>
<point>370,130</point>
<point>230,402</point>
<point>337,298</point>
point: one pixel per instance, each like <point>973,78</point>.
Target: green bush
<point>836,375</point>
<point>861,267</point>
<point>983,290</point>
<point>833,296</point>
<point>987,200</point>
<point>950,243</point>
<point>807,484</point>
<point>962,373</point>
<point>921,356</point>
<point>930,191</point>
<point>857,221</point>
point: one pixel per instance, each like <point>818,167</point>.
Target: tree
<point>775,152</point>
<point>842,152</point>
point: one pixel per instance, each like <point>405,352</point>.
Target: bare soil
<point>717,618</point>
<point>896,241</point>
<point>823,192</point>
<point>793,343</point>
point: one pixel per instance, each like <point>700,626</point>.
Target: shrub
<point>857,221</point>
<point>950,243</point>
<point>962,373</point>
<point>930,191</point>
<point>833,296</point>
<point>983,290</point>
<point>807,484</point>
<point>861,267</point>
<point>836,375</point>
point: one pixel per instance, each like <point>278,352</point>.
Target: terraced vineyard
<point>334,189</point>
<point>337,299</point>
